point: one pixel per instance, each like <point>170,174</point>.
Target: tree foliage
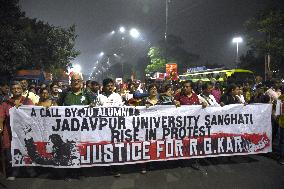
<point>33,44</point>
<point>253,62</point>
<point>265,33</point>
<point>170,51</point>
<point>157,63</point>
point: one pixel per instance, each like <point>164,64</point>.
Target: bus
<point>221,75</point>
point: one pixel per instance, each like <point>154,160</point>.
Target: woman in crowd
<point>153,98</point>
<point>17,100</point>
<point>167,98</point>
<point>44,99</point>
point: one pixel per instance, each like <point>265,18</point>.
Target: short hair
<point>152,86</point>
<point>205,85</point>
<point>167,87</point>
<point>231,87</point>
<point>187,81</point>
<point>42,89</point>
<point>52,84</point>
<point>15,83</point>
<point>76,73</point>
<point>88,82</point>
<point>107,81</point>
<point>94,83</point>
<point>32,87</point>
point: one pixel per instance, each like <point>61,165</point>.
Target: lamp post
<point>126,35</point>
<point>237,40</point>
<point>167,15</point>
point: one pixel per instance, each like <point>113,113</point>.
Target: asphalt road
<point>253,171</point>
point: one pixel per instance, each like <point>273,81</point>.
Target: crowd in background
<point>135,93</point>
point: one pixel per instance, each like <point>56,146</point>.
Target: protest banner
<point>78,136</point>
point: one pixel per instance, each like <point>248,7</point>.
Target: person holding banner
<point>206,97</point>
<point>16,100</point>
<point>153,98</point>
<point>167,97</point>
<point>108,96</point>
<point>187,96</point>
<point>77,95</point>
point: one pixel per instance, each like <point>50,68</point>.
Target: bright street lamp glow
<point>113,32</point>
<point>134,33</point>
<point>102,53</point>
<point>77,68</point>
<point>122,29</point>
<point>237,40</point>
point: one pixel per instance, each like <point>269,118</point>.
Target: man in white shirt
<point>108,96</point>
<point>206,97</point>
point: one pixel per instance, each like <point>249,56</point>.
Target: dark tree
<point>32,44</point>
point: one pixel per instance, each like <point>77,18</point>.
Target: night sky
<point>206,26</point>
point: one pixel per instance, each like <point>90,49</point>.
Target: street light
<point>77,68</point>
<point>122,29</point>
<point>134,33</point>
<point>102,54</point>
<point>237,40</point>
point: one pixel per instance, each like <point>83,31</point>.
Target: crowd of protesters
<point>134,93</point>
